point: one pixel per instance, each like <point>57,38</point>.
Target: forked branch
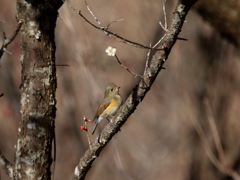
<point>107,32</point>
<point>7,41</point>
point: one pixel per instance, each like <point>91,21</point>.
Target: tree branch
<point>119,62</point>
<point>6,165</point>
<point>222,158</point>
<point>215,134</point>
<point>109,33</point>
<point>138,93</point>
<point>7,41</point>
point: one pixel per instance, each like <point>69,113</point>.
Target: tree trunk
<point>36,131</point>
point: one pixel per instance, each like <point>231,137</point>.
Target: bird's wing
<point>102,107</point>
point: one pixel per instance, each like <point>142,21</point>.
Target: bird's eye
<point>111,89</point>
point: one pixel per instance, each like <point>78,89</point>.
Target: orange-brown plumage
<point>110,104</point>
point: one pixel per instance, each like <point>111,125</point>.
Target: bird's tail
<point>95,126</point>
<point>96,123</point>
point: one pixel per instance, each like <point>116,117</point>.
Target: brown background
<point>159,141</point>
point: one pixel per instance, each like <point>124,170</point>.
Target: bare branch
<point>215,134</point>
<point>147,61</point>
<point>62,65</point>
<point>6,41</point>
<point>86,120</point>
<point>136,75</point>
<point>150,51</point>
<point>165,27</point>
<point>183,39</point>
<point>165,16</point>
<point>114,22</point>
<point>217,142</point>
<point>221,167</point>
<point>109,33</point>
<point>159,41</point>
<point>5,50</point>
<point>90,11</point>
<point>138,93</point>
<point>6,165</point>
<point>92,14</point>
<point>206,146</point>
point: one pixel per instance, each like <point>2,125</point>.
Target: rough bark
<point>36,131</point>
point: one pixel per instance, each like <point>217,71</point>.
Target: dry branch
<point>204,140</point>
<point>222,158</point>
<point>138,93</point>
<point>125,67</point>
<point>6,165</point>
<point>7,41</point>
<point>109,33</point>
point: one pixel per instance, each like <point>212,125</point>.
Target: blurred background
<point>159,141</point>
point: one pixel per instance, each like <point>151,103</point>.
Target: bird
<point>110,104</point>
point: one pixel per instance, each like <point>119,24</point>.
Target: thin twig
<point>6,41</point>
<point>114,22</point>
<point>149,52</point>
<point>136,75</point>
<point>183,39</point>
<point>165,16</point>
<point>6,165</point>
<point>86,120</point>
<point>96,19</point>
<point>206,146</point>
<point>214,130</point>
<point>89,10</point>
<point>221,167</point>
<point>62,65</point>
<point>217,141</point>
<point>165,27</point>
<point>5,50</point>
<point>203,137</point>
<point>159,41</point>
<point>88,137</point>
<point>147,61</point>
<point>111,34</point>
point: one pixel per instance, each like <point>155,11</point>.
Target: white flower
<point>111,51</point>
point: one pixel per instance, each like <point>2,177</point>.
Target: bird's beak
<point>117,89</point>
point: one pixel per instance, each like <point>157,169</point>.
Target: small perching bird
<point>110,104</point>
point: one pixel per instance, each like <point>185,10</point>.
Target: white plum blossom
<point>111,51</point>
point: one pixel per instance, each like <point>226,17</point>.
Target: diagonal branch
<point>222,158</point>
<point>6,165</point>
<point>119,62</point>
<point>215,134</point>
<point>109,33</point>
<point>6,41</point>
<point>138,93</point>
